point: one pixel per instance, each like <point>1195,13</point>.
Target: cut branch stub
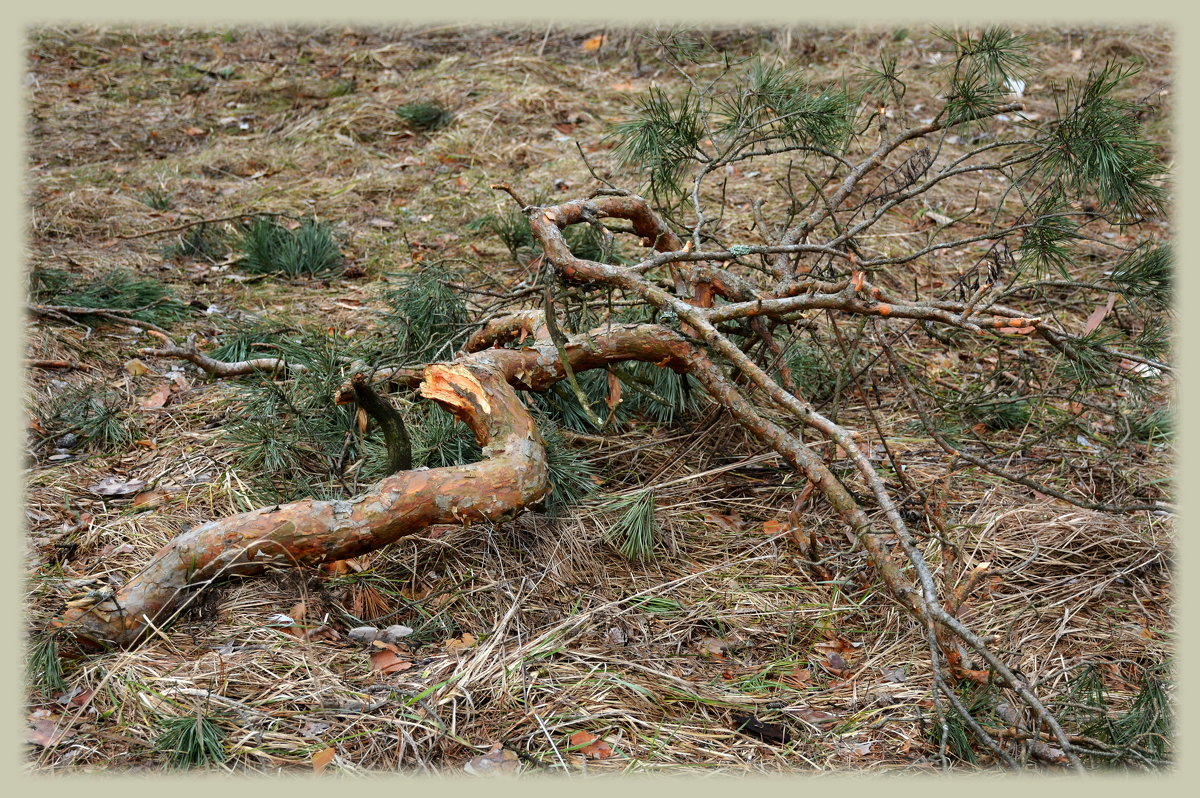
<point>511,475</point>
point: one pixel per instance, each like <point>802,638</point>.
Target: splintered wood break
<point>454,386</point>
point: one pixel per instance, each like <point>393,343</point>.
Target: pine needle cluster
<point>98,416</point>
<point>425,317</point>
<point>634,533</point>
<point>308,251</point>
<point>424,116</point>
<point>1096,148</point>
<point>191,742</point>
<point>120,291</point>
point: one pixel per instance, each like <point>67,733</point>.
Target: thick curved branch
<point>478,388</point>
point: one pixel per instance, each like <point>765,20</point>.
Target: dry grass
<point>658,657</point>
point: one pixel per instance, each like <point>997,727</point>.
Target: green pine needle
<point>1147,274</point>
<point>191,742</point>
<point>308,251</point>
<point>1096,147</point>
<point>427,318</point>
<point>424,116</point>
<point>121,291</point>
<point>635,532</point>
<point>44,668</point>
<point>571,473</point>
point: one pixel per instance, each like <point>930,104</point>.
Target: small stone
<point>68,441</point>
<point>364,634</point>
<point>395,632</point>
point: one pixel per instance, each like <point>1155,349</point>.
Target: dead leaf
<point>1099,313</point>
<point>150,499</point>
<point>616,636</point>
<point>1077,55</point>
<point>467,640</point>
<point>800,678</point>
<point>625,87</point>
<point>499,760</point>
<point>381,223</point>
<point>731,523</point>
<point>45,729</point>
<point>861,749</point>
<point>816,717</point>
<point>361,419</point>
<point>298,611</point>
<point>774,527</point>
<point>386,661</point>
<point>111,486</point>
<point>590,745</point>
<point>767,732</point>
<point>321,759</point>
<point>714,646</point>
<point>194,131</point>
<point>614,391</point>
<point>593,44</point>
<point>136,367</point>
<point>157,399</point>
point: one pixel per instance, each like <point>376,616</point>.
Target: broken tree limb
<point>395,434</point>
<point>478,388</point>
<point>511,476</point>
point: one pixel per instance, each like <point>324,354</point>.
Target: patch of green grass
<point>656,605</point>
<point>308,251</point>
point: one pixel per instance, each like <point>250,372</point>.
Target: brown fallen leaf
<point>800,678</point>
<point>714,646</point>
<point>593,43</point>
<point>45,729</point>
<point>590,745</point>
<point>732,522</point>
<point>386,661</point>
<point>321,759</point>
<point>1098,314</point>
<point>150,499</point>
<point>466,640</point>
<point>614,391</point>
<point>773,527</point>
<point>767,732</point>
<point>136,367</point>
<point>157,399</point>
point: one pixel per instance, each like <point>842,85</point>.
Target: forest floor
<point>535,633</point>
